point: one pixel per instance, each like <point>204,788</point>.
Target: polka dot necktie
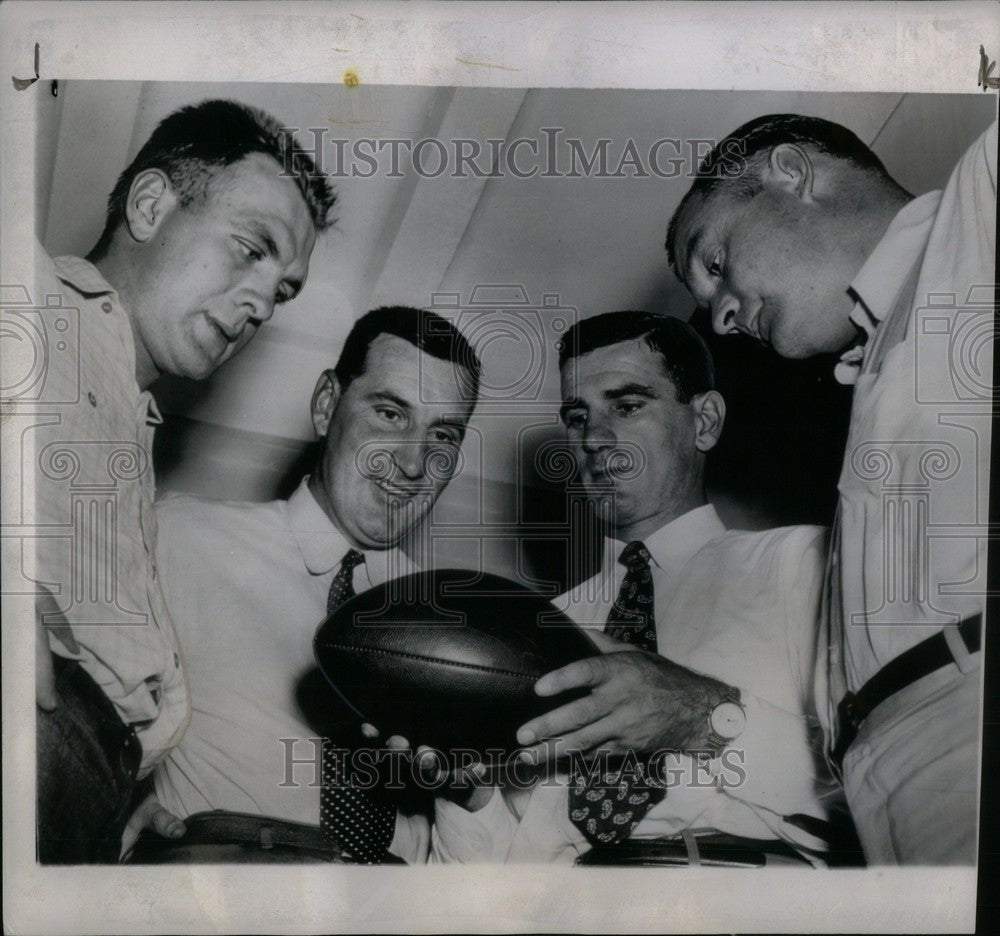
<point>608,805</point>
<point>348,814</point>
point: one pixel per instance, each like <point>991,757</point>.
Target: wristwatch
<point>726,721</point>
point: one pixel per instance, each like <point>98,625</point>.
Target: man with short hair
<point>208,229</point>
<point>808,245</point>
<point>708,638</point>
<point>248,584</point>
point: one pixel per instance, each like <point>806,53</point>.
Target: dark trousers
<point>87,764</point>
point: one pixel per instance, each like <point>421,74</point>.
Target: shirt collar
<point>87,280</point>
<point>323,546</point>
<point>879,281</point>
<point>674,543</point>
<point>82,275</point>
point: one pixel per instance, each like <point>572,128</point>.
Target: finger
<point>165,823</point>
<point>429,763</point>
<point>150,815</point>
<point>45,677</point>
<point>588,672</point>
<point>569,717</point>
<point>588,742</point>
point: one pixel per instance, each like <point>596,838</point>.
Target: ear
<point>790,169</point>
<point>324,402</point>
<point>150,200</point>
<point>710,414</point>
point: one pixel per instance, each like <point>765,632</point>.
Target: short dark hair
<point>735,163</point>
<point>192,144</point>
<point>686,358</point>
<point>428,331</point>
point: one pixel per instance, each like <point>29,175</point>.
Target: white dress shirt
<point>248,585</point>
<point>909,549</point>
<point>741,607</point>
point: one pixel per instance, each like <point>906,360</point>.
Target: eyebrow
<point>630,389</point>
<point>615,393</point>
<point>391,397</point>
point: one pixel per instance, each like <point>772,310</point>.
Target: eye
<point>715,266</point>
<point>444,436</point>
<point>628,407</point>
<point>283,294</point>
<point>249,251</point>
<point>389,414</point>
<point>576,420</point>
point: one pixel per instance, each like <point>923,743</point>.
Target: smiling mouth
<point>392,490</point>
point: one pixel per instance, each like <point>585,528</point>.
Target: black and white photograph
<point>526,466</point>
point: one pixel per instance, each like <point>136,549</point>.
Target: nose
<point>596,437</point>
<point>724,308</point>
<point>410,457</point>
<point>257,308</point>
<point>256,298</point>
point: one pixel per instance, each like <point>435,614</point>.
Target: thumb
<point>150,815</point>
<point>165,823</point>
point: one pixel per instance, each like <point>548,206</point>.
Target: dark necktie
<point>362,827</point>
<point>607,806</point>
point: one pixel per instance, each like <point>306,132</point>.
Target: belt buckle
<point>849,720</point>
<point>848,714</point>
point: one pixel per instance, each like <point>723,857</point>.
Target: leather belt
<point>221,836</point>
<point>716,850</point>
<point>925,658</point>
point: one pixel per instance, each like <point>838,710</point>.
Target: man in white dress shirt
<point>249,583</point>
<point>723,664</point>
<point>813,248</point>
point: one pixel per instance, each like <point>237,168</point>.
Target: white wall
<point>592,244</point>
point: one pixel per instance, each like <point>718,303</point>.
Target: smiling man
<point>248,584</point>
<point>812,248</point>
<point>208,229</point>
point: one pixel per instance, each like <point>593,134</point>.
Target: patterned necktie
<point>362,827</point>
<point>607,806</point>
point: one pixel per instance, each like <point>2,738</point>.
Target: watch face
<point>728,720</point>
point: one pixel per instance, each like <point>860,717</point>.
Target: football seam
<point>426,659</point>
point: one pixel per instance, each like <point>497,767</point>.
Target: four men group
<point>185,685</point>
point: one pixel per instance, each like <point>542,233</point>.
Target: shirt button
<point>106,306</point>
<point>92,398</point>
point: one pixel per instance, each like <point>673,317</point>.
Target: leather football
<point>448,658</point>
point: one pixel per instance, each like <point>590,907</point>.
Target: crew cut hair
<point>735,164</point>
<point>428,331</point>
<point>686,358</point>
<point>192,144</point>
